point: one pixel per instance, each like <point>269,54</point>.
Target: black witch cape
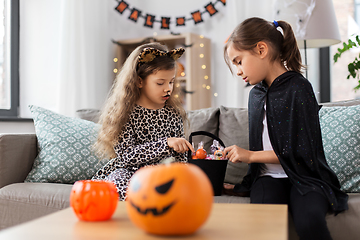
<point>294,131</point>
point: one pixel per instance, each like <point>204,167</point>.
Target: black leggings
<point>308,211</point>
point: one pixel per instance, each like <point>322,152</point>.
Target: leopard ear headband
<point>149,54</point>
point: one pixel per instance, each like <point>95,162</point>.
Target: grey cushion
<point>231,199</point>
<point>206,119</point>
<point>345,226</point>
<point>234,130</point>
<point>21,202</point>
<point>89,114</point>
<point>342,103</point>
<point>16,150</point>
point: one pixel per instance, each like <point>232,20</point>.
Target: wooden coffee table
<point>227,221</point>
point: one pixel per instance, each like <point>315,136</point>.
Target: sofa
<point>25,194</point>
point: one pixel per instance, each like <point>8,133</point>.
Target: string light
<point>182,74</point>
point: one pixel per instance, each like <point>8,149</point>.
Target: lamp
<point>313,21</point>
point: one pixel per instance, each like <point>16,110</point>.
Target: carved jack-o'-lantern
<point>169,199</point>
<point>93,200</point>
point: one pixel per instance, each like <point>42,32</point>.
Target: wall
<point>231,91</point>
<point>42,48</point>
<point>42,35</point>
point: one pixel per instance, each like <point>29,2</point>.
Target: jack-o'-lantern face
<point>161,190</point>
<point>173,199</point>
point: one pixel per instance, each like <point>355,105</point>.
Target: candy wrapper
<point>200,152</point>
<point>215,146</point>
<point>216,152</point>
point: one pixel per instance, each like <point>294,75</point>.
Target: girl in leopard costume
<point>142,121</point>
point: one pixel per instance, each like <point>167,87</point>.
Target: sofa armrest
<point>17,155</point>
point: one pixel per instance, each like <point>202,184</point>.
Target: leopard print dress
<point>143,142</point>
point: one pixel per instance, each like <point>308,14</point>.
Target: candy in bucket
<point>216,151</point>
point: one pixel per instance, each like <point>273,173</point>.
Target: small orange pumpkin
<point>169,199</point>
<point>93,200</point>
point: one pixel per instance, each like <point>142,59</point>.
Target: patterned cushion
<point>340,128</point>
<point>64,144</point>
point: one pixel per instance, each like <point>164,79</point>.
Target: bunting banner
<point>150,19</point>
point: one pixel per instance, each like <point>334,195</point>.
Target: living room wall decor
<point>150,19</point>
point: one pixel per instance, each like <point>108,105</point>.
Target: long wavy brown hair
<point>125,93</point>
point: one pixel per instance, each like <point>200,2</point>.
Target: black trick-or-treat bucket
<point>214,169</point>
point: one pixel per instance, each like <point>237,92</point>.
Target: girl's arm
<point>238,154</point>
<point>179,144</point>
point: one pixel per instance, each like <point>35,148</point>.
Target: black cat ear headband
<point>149,54</point>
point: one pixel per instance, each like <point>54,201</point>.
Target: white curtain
<point>85,62</point>
<point>66,50</point>
<point>65,55</point>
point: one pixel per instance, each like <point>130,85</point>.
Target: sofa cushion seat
<point>231,199</point>
<point>345,225</point>
<point>21,202</point>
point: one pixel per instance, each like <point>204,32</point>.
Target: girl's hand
<point>179,145</point>
<point>237,154</point>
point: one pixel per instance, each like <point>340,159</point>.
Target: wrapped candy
<point>193,155</point>
<point>201,152</point>
<point>215,146</point>
<point>217,150</point>
<point>219,154</point>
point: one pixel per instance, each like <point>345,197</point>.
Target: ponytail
<point>290,54</point>
<point>283,45</point>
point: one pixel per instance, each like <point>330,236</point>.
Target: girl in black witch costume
<point>286,160</point>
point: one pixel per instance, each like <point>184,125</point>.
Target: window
<point>342,88</point>
<point>357,11</point>
<point>9,58</point>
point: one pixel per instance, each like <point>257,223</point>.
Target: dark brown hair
<point>283,46</point>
